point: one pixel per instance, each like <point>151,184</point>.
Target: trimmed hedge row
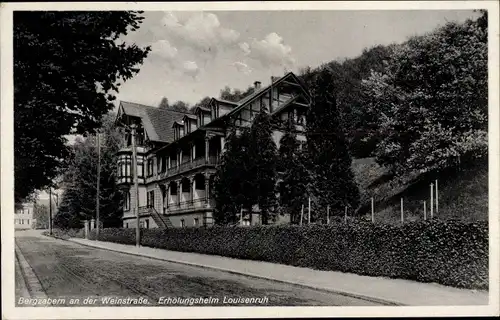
<point>447,252</point>
<point>65,233</point>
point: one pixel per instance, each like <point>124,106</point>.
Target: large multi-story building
<point>178,152</point>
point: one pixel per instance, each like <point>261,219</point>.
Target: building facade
<point>177,153</point>
<point>23,217</point>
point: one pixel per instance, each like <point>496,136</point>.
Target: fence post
<point>345,214</point>
<point>402,212</point>
<point>302,214</point>
<point>373,214</point>
<point>425,211</point>
<point>328,214</point>
<point>437,198</point>
<point>309,212</point>
<point>432,200</point>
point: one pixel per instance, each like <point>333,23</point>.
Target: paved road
<point>68,271</point>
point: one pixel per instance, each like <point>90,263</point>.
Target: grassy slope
<point>462,195</point>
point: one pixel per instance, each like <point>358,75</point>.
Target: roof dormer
<point>178,127</point>
<point>190,123</point>
<point>203,116</point>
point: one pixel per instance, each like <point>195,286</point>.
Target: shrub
<point>117,235</point>
<point>65,233</point>
<point>451,253</point>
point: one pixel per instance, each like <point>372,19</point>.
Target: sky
<point>196,54</point>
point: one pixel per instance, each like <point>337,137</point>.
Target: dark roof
<point>157,122</point>
<point>190,116</point>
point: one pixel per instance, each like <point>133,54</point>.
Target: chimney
<point>257,84</point>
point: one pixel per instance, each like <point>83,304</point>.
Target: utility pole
<point>133,128</point>
<point>50,211</point>
<point>98,184</point>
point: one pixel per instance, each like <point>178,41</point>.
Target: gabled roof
<point>178,123</point>
<point>157,122</point>
<point>261,91</point>
<point>202,109</point>
<point>233,103</point>
<point>190,116</point>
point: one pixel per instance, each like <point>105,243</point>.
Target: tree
<point>203,103</point>
<point>67,67</point>
<point>432,100</point>
<point>292,168</point>
<point>235,95</point>
<point>359,125</point>
<point>164,103</point>
<point>330,161</point>
<point>41,215</point>
<point>263,155</point>
<point>78,201</point>
<point>180,106</point>
<point>226,182</point>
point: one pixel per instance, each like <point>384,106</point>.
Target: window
<point>147,223</point>
<point>22,221</point>
<point>158,164</point>
<point>126,203</point>
<point>126,225</point>
<point>196,222</point>
<point>150,171</point>
<point>183,223</point>
<point>150,198</point>
<point>28,222</point>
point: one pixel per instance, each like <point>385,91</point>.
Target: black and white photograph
<point>187,160</point>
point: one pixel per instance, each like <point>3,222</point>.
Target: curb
<point>33,285</point>
<point>343,293</point>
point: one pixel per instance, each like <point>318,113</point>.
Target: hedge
<point>450,252</point>
<point>65,233</point>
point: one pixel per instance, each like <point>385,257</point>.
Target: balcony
<point>189,205</point>
<point>189,165</point>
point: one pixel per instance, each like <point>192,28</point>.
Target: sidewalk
<point>377,289</point>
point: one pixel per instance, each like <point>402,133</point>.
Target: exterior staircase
<point>161,220</point>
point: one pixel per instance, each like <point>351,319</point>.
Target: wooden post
<point>302,215</point>
<point>437,198</point>
<point>402,212</point>
<point>425,211</point>
<point>241,216</point>
<point>328,214</point>
<point>345,214</point>
<point>432,200</point>
<point>309,212</point>
<point>50,211</point>
<point>373,214</point>
<point>97,206</point>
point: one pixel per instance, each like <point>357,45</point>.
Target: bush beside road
<point>451,252</point>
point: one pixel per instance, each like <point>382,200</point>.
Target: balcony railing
<point>190,204</point>
<point>188,165</point>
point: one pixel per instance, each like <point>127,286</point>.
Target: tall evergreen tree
<point>264,157</point>
<point>226,181</point>
<point>330,161</point>
<point>294,176</point>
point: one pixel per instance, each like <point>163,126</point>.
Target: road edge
<point>344,293</point>
<point>33,284</point>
